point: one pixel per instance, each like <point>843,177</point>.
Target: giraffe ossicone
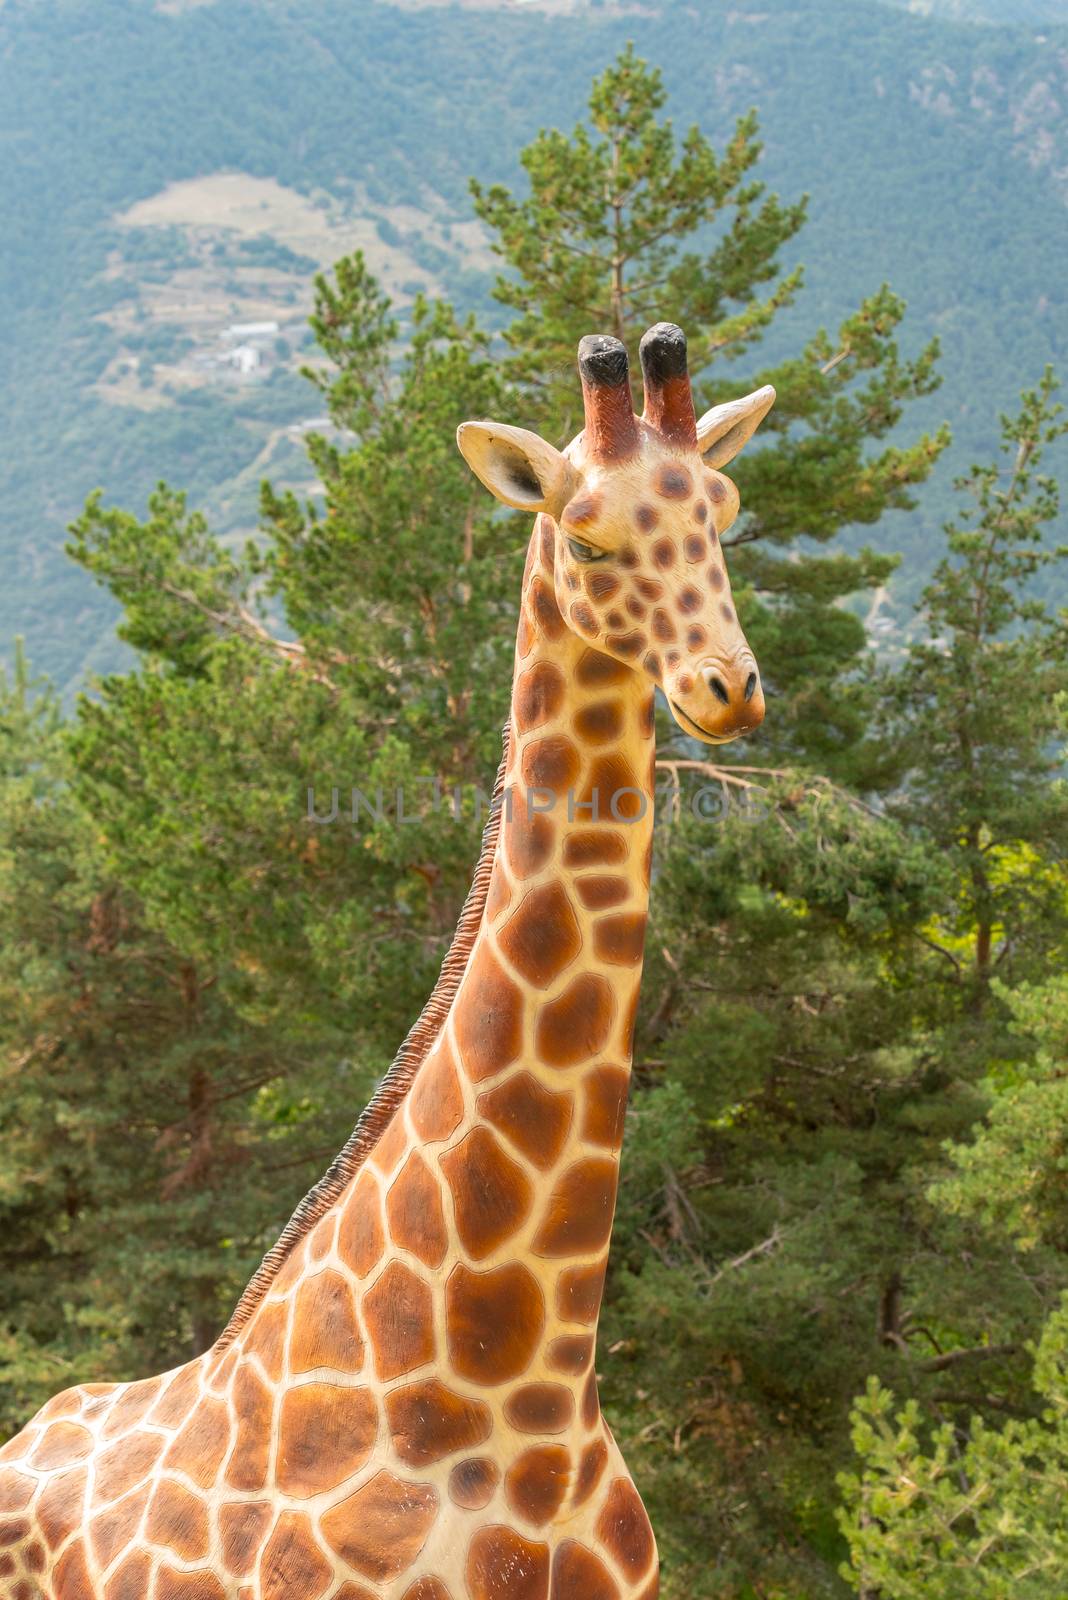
<point>404,1405</point>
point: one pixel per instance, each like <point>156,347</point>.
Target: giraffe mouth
<point>688,725</point>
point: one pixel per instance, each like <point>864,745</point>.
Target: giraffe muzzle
<point>726,702</point>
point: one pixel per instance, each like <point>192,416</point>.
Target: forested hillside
<point>173,174</point>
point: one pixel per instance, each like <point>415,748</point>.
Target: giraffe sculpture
<point>404,1405</point>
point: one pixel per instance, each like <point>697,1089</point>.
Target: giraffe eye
<point>585,552</point>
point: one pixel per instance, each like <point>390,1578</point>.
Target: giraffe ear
<point>518,467</point>
<point>723,431</point>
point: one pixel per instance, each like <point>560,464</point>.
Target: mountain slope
<point>1030,13</point>
<point>934,151</point>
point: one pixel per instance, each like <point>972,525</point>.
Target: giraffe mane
<point>375,1118</point>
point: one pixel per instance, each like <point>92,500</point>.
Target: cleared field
<point>320,226</point>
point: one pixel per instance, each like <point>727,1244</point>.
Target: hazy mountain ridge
<point>935,153</point>
<point>1007,13</point>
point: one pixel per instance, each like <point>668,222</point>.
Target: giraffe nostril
<point>718,688</point>
<point>750,685</point>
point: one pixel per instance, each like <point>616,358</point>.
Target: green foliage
<point>972,1516</point>
<point>969,1508</point>
<point>979,712</point>
<point>606,237</point>
<point>1011,1176</point>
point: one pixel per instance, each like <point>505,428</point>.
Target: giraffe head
<point>633,511</point>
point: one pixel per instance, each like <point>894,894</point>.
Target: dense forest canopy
<point>933,150</point>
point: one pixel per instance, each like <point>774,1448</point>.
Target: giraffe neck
<point>503,1160</point>
<point>477,1230</point>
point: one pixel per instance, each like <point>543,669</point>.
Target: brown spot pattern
<point>392,1145</point>
<point>325,1330</point>
<point>172,1585</point>
<point>489,1017</point>
<point>398,1315</point>
<point>492,1195</point>
<point>579,1291</point>
<point>16,1490</point>
<point>591,1469</point>
<point>435,1100</point>
<point>570,1353</point>
<point>601,585</point>
<point>528,837</point>
<point>575,1025</point>
<point>673,482</point>
<point>253,1405</point>
<point>597,893</point>
<point>381,1528</point>
<point>502,1565</point>
<point>620,940</point>
<point>578,1216</point>
<point>428,1421</point>
<point>544,609</point>
<point>130,1581</point>
<point>540,1408</point>
<point>267,1336</point>
<point>612,789</point>
<point>532,1118</point>
<point>202,1444</point>
<point>130,1407</point>
<point>626,644</point>
<point>60,1446</point>
<point>427,1589</point>
<point>536,1483</point>
<point>242,1529</point>
<point>623,1528</point>
<point>600,722</point>
<point>593,847</point>
<point>71,1576</point>
<point>591,1404</point>
<point>180,1393</point>
<point>360,1239</point>
<point>415,1213</point>
<point>321,1239</point>
<point>605,1106</point>
<point>507,1299</point>
<point>663,627</point>
<point>580,1575</point>
<point>178,1518</point>
<point>538,696</point>
<point>595,670</point>
<point>292,1563</point>
<point>551,763</point>
<point>471,1483</point>
<point>326,1433</point>
<point>59,1506</point>
<point>541,937</point>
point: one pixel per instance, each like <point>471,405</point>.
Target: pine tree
<point>979,711</point>
<point>971,1506</point>
<point>624,225</point>
<point>146,1119</point>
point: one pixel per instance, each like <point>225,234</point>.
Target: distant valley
<point>175,176</point>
